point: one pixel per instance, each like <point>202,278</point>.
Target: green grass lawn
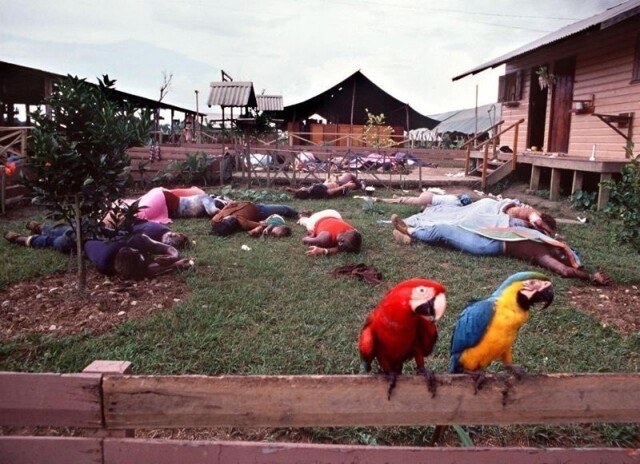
<point>274,310</point>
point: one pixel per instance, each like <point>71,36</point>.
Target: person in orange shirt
<point>328,233</point>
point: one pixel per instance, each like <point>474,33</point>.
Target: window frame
<point>510,87</point>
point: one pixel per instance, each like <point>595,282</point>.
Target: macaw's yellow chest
<point>498,339</point>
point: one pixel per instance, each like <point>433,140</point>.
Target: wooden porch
<point>553,165</point>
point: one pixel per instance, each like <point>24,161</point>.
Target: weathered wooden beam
<point>603,192</point>
<point>554,187</point>
<point>360,400</point>
<point>534,182</point>
<point>71,450</point>
<point>578,177</point>
<point>104,367</point>
<point>50,399</point>
<point>202,452</point>
<point>50,450</point>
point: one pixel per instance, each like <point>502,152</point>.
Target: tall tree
<point>78,161</point>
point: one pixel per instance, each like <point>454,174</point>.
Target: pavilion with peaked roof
<point>348,102</point>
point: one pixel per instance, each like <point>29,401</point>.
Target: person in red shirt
<point>328,233</point>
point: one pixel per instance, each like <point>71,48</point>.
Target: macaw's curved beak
<point>545,295</point>
<point>427,309</point>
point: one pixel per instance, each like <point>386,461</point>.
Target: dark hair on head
<point>549,220</point>
<point>226,226</point>
<point>129,264</point>
<point>350,241</point>
<point>177,240</point>
<point>302,193</point>
<point>281,231</point>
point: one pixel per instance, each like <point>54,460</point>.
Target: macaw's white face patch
<point>425,297</point>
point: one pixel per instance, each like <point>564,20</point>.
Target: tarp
<point>354,96</point>
<point>486,212</point>
<point>461,121</point>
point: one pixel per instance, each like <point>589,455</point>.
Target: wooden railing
<point>14,140</point>
<point>289,168</point>
<point>111,404</point>
<point>492,142</point>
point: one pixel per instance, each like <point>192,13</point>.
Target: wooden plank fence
<point>266,164</point>
<point>111,403</point>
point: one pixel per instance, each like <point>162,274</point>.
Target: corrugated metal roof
<point>465,120</point>
<point>232,94</point>
<point>270,102</point>
<point>24,83</point>
<point>605,19</point>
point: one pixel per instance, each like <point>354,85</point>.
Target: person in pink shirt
<point>161,205</point>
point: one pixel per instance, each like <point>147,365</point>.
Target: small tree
<point>624,200</point>
<point>376,133</point>
<point>78,163</point>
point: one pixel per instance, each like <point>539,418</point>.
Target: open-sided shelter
<point>22,85</point>
<point>232,94</point>
<point>345,106</point>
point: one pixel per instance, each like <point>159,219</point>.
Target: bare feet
<point>401,238</point>
<point>599,278</point>
<point>399,224</point>
<point>11,236</point>
<point>34,227</point>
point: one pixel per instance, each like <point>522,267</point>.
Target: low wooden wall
<point>111,404</point>
<point>287,168</point>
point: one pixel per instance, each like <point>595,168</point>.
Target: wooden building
<point>578,91</point>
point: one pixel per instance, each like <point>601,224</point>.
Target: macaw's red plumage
<point>402,327</point>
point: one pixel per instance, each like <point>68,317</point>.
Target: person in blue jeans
<point>151,248</point>
<point>557,257</point>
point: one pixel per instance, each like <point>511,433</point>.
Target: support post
<point>576,185</point>
<point>534,182</point>
<point>603,192</point>
<point>554,188</point>
<point>110,368</point>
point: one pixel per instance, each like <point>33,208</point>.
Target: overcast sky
<point>293,48</point>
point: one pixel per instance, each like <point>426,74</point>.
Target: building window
<point>510,87</point>
<point>635,77</point>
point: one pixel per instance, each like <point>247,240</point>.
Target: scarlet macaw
<point>401,327</point>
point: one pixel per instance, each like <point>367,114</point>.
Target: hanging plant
<point>545,78</point>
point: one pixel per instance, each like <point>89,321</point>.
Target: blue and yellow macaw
<point>487,329</point>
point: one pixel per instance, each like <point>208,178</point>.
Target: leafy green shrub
<point>583,201</point>
<point>257,196</point>
<point>624,202</point>
<point>78,162</point>
<point>195,169</point>
<point>542,193</point>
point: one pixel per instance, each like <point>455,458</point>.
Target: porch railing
<point>493,142</point>
<point>12,140</point>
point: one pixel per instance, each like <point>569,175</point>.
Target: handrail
<point>476,137</point>
<point>485,146</point>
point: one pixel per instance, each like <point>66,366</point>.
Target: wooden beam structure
<point>357,400</point>
<point>106,400</point>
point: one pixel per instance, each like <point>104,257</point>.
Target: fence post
<point>110,368</point>
<point>2,191</point>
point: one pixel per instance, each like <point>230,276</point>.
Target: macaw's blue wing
<point>469,329</point>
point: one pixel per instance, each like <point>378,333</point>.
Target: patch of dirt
<point>615,306</point>
<point>52,304</point>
